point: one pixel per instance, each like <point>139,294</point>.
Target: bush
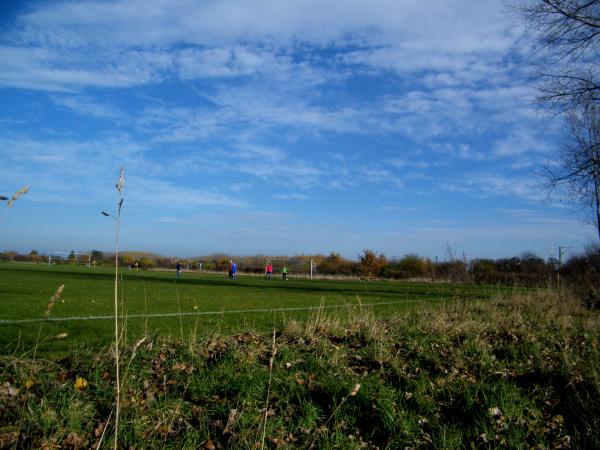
<point>582,276</point>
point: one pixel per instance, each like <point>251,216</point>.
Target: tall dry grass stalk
<point>49,309</point>
<point>103,432</point>
<point>145,309</point>
<point>15,197</point>
<point>273,353</point>
<point>133,354</point>
<point>119,186</point>
<point>179,309</point>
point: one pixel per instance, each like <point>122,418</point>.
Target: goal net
<point>295,268</point>
<point>70,258</point>
<point>256,265</point>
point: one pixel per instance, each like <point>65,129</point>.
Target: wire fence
<point>201,313</point>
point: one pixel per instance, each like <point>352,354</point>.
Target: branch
<point>571,15</point>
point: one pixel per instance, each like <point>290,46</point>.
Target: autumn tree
<point>371,264</point>
<point>34,256</point>
<point>127,260</point>
<point>146,262</point>
<point>97,256</point>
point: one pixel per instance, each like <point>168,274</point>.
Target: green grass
<point>514,372</point>
<point>209,303</point>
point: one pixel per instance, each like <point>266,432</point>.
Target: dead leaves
<point>8,395</point>
<point>183,367</point>
<point>99,430</point>
<point>231,420</point>
<point>247,338</point>
<point>8,436</point>
<point>75,441</point>
<point>208,445</point>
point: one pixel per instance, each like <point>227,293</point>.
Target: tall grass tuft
<point>119,186</point>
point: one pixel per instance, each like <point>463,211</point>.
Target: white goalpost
<point>75,258</point>
<point>292,265</point>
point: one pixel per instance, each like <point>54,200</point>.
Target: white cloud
<point>75,171</point>
<point>497,185</point>
<point>89,106</point>
<point>406,163</point>
<point>166,195</point>
<point>169,219</point>
<point>70,45</point>
<point>294,196</point>
<point>169,22</point>
<point>239,187</point>
<point>59,71</point>
<point>521,141</point>
<point>400,208</point>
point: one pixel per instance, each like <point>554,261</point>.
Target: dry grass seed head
<point>15,197</point>
<point>53,300</point>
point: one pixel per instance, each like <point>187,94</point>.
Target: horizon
<point>270,128</point>
<point>438,258</point>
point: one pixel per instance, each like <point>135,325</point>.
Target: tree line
<point>527,269</point>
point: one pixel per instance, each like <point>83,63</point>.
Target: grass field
<point>311,364</point>
<point>195,304</point>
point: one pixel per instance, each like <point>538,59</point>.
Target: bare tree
<point>579,166</point>
<point>567,33</point>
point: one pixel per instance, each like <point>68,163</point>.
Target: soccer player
<point>268,270</point>
<point>230,269</point>
<point>178,267</point>
<point>234,270</point>
<point>284,272</point>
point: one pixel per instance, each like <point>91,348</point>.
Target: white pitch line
<point>199,313</point>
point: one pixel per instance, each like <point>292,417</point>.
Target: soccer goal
<point>295,267</point>
<point>71,258</point>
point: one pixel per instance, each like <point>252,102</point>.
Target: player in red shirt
<point>268,270</point>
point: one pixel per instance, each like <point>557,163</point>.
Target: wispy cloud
<point>215,107</point>
<point>166,195</point>
<point>520,141</point>
<point>294,196</point>
<point>490,184</point>
<point>400,208</point>
<point>89,106</point>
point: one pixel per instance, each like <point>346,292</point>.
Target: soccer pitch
<point>195,304</point>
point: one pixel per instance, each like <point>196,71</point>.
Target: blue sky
<point>276,128</point>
